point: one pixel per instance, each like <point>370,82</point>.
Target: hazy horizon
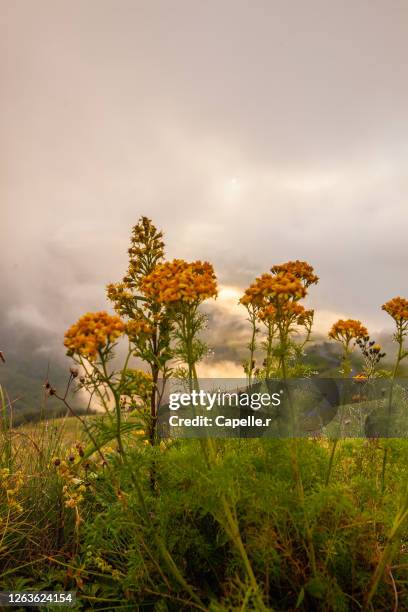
<point>250,133</point>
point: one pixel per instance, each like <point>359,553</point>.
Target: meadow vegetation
<point>103,505</point>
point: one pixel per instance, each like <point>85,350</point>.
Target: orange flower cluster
<point>266,313</point>
<point>138,327</point>
<point>291,311</point>
<point>397,308</point>
<point>180,281</point>
<point>306,318</point>
<point>301,269</point>
<point>281,287</point>
<point>92,332</point>
<point>345,331</point>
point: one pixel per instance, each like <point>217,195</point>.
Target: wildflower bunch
<point>292,311</point>
<point>372,355</point>
<point>273,300</point>
<point>274,289</point>
<point>91,333</point>
<point>181,287</point>
<point>73,492</point>
<point>10,485</point>
<point>146,249</point>
<point>180,281</point>
<point>145,252</point>
<point>149,323</point>
<point>121,296</point>
<point>266,313</point>
<point>138,327</point>
<point>74,487</point>
<point>397,308</point>
<point>300,269</point>
<point>344,331</point>
<point>137,385</point>
<point>304,272</point>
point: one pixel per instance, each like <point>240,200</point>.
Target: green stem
<point>347,372</point>
<point>390,396</point>
<point>235,535</point>
<point>6,430</point>
<point>331,461</point>
<point>271,335</point>
<point>389,551</point>
<point>252,347</point>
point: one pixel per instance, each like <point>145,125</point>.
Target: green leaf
<point>300,597</point>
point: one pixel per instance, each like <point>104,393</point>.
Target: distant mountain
<point>32,357</point>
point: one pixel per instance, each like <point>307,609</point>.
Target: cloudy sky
<point>250,132</point>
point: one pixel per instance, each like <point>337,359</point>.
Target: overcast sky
<point>250,132</point>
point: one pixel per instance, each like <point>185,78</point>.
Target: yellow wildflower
<point>301,269</point>
<point>397,308</point>
<point>138,327</point>
<point>91,333</point>
<point>276,288</point>
<point>345,330</point>
<point>180,281</point>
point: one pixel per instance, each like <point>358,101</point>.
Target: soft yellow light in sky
<point>228,300</point>
<point>227,292</point>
